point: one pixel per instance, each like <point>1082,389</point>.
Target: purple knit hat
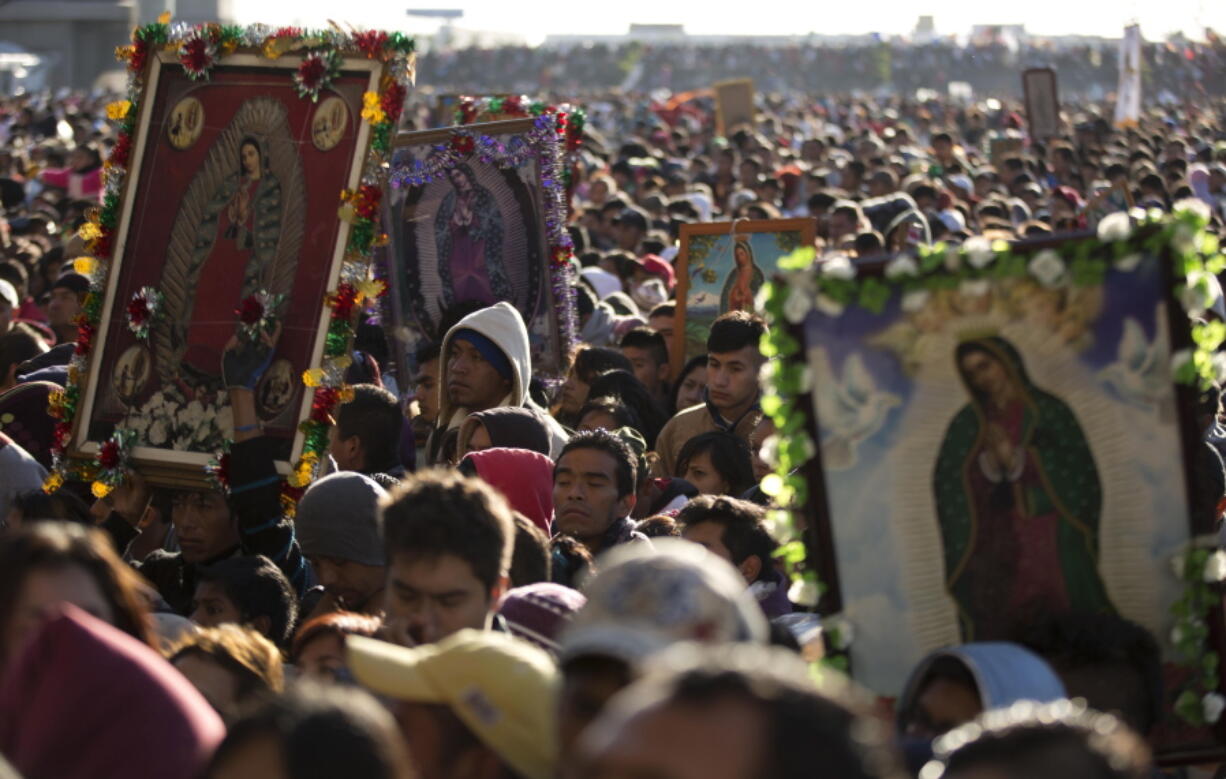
<point>538,612</point>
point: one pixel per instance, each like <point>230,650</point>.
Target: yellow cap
<point>500,687</point>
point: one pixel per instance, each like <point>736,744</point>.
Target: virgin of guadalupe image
<point>743,281</point>
<point>468,233</point>
<point>236,240</point>
<point>1018,498</point>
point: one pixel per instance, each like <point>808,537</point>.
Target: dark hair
<point>440,512</point>
<point>530,561</point>
<point>257,588</point>
<point>659,526</point>
<point>17,346</point>
<point>625,386</point>
<point>592,361</point>
<point>426,351</point>
<point>649,340</point>
<point>1093,652</point>
<point>1055,741</point>
<point>374,417</point>
<point>803,724</point>
<point>615,447</point>
<point>729,456</point>
<point>585,300</point>
<point>663,309</point>
<point>744,525</point>
<point>568,558</point>
<point>734,331</point>
<point>62,505</point>
<point>321,731</point>
<point>15,273</point>
<point>55,545</point>
<point>334,623</point>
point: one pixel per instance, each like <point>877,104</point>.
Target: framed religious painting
<point>477,215</point>
<point>721,266</point>
<point>220,227</point>
<point>1042,102</point>
<point>734,104</point>
<point>994,435</point>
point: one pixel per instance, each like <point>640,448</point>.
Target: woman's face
<point>458,180</point>
<point>741,255</point>
<point>690,393</point>
<point>574,392</point>
<point>218,686</point>
<point>251,160</point>
<point>985,373</point>
<point>479,441</point>
<point>598,420</point>
<point>43,589</point>
<point>323,658</point>
<point>700,472</point>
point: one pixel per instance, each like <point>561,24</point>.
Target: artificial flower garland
<point>143,310</point>
<point>199,49</point>
<point>539,145</point>
<point>804,285</point>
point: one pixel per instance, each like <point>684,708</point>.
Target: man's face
<point>628,236</point>
<point>722,740</point>
<point>732,378</point>
<point>585,494</point>
<point>943,705</point>
<point>841,225</point>
<point>710,536</point>
<point>203,524</point>
<point>429,598</point>
<point>427,390</point>
<point>212,607</point>
<point>574,393</point>
<point>63,307</point>
<point>663,324</point>
<point>350,584</point>
<point>646,369</point>
<point>473,383</point>
<point>587,685</point>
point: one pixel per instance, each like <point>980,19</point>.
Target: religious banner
<point>1128,93</point>
<point>733,104</point>
<point>721,266</point>
<point>993,434</point>
<point>476,216</point>
<point>1042,102</point>
<point>219,229</point>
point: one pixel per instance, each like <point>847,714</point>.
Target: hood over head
<point>524,478</point>
<point>501,324</point>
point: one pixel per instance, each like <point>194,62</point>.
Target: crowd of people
<point>990,65</point>
<point>503,577</point>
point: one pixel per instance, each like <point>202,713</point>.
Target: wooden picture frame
<point>705,260</point>
<point>181,230</point>
<point>1068,319</point>
<point>734,104</point>
<point>1042,97</point>
<point>523,218</point>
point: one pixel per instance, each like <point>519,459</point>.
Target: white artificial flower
<point>901,266</point>
<point>1047,267</point>
<point>974,288</point>
<point>797,306</point>
<point>803,592</point>
<point>1176,635</point>
<point>953,260</point>
<point>841,629</point>
<point>838,267</point>
<point>979,251</point>
<point>1177,564</point>
<point>1215,567</point>
<point>1129,262</point>
<point>1115,227</point>
<point>915,300</point>
<point>769,451</point>
<point>1212,706</point>
<point>1184,238</point>
<point>1180,359</point>
<point>1198,294</point>
<point>828,306</point>
<point>1195,205</point>
<point>158,432</point>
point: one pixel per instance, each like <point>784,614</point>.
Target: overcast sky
<point>535,20</point>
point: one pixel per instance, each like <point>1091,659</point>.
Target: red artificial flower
<point>462,144</point>
<point>288,32</point>
<point>138,311</point>
<point>366,201</point>
<point>561,123</point>
<point>323,403</point>
<point>101,246</point>
<point>393,101</point>
<point>512,105</point>
<point>371,43</point>
<point>140,54</point>
<point>85,338</point>
<point>108,455</point>
<point>344,300</point>
<point>196,57</point>
<point>121,150</point>
<point>250,311</point>
<point>63,431</point>
<point>312,71</point>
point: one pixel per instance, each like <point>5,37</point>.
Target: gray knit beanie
<point>339,517</point>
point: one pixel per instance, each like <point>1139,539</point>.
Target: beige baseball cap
<point>502,688</point>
